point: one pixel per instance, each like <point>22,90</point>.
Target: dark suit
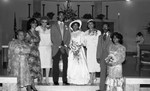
<point>59,44</point>
<point>102,53</point>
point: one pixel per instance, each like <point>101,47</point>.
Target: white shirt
<point>61,25</point>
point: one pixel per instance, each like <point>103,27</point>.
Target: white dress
<point>45,48</point>
<point>77,67</point>
<point>91,45</point>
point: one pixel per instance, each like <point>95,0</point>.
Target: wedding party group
<point>83,53</point>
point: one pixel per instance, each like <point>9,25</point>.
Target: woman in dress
<point>116,57</point>
<point>77,67</point>
<point>45,47</point>
<point>91,36</point>
<point>18,53</point>
<point>33,39</point>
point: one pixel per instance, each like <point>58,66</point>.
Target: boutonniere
<point>66,27</point>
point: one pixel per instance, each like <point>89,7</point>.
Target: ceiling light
<point>128,0</point>
<point>6,1</point>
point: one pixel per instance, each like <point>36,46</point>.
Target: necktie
<point>61,29</point>
<point>104,36</point>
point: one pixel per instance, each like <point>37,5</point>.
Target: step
<point>97,80</point>
<point>70,88</point>
<point>62,87</point>
<point>65,88</point>
<point>130,83</point>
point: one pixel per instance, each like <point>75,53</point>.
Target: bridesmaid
<point>45,46</point>
<point>92,35</point>
<point>33,39</point>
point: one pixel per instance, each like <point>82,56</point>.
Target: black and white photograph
<point>74,45</point>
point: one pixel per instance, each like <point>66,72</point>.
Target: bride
<point>77,67</point>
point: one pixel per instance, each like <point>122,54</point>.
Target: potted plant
<point>36,15</point>
<point>69,13</point>
<point>100,16</point>
<point>87,16</point>
<point>50,15</point>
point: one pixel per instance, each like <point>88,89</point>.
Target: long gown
<point>18,53</point>
<point>91,45</point>
<point>34,56</point>
<point>77,66</point>
<point>115,78</point>
<point>45,47</point>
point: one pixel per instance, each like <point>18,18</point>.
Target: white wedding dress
<point>77,66</point>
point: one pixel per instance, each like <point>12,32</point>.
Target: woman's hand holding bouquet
<point>110,59</point>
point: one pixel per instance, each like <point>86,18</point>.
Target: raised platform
<point>131,84</point>
<point>66,88</point>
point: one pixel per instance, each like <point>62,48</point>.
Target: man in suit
<point>102,52</point>
<point>60,37</point>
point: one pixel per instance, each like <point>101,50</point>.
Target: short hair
<point>18,31</point>
<point>60,12</point>
<point>118,36</point>
<point>105,23</point>
<point>31,20</point>
<point>139,34</point>
<point>44,18</point>
<point>94,23</point>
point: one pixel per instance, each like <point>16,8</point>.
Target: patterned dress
<point>18,53</point>
<point>115,78</point>
<point>34,60</point>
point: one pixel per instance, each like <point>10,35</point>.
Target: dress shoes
<point>56,83</point>
<point>65,83</point>
<point>33,88</point>
<point>98,90</point>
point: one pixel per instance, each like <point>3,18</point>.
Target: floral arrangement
<point>75,47</point>
<point>50,15</point>
<point>36,15</point>
<point>87,16</point>
<point>100,16</point>
<point>110,59</point>
<point>69,13</point>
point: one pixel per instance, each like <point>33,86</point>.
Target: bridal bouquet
<point>75,47</point>
<point>110,59</point>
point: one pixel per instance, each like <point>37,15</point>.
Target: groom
<point>60,37</point>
